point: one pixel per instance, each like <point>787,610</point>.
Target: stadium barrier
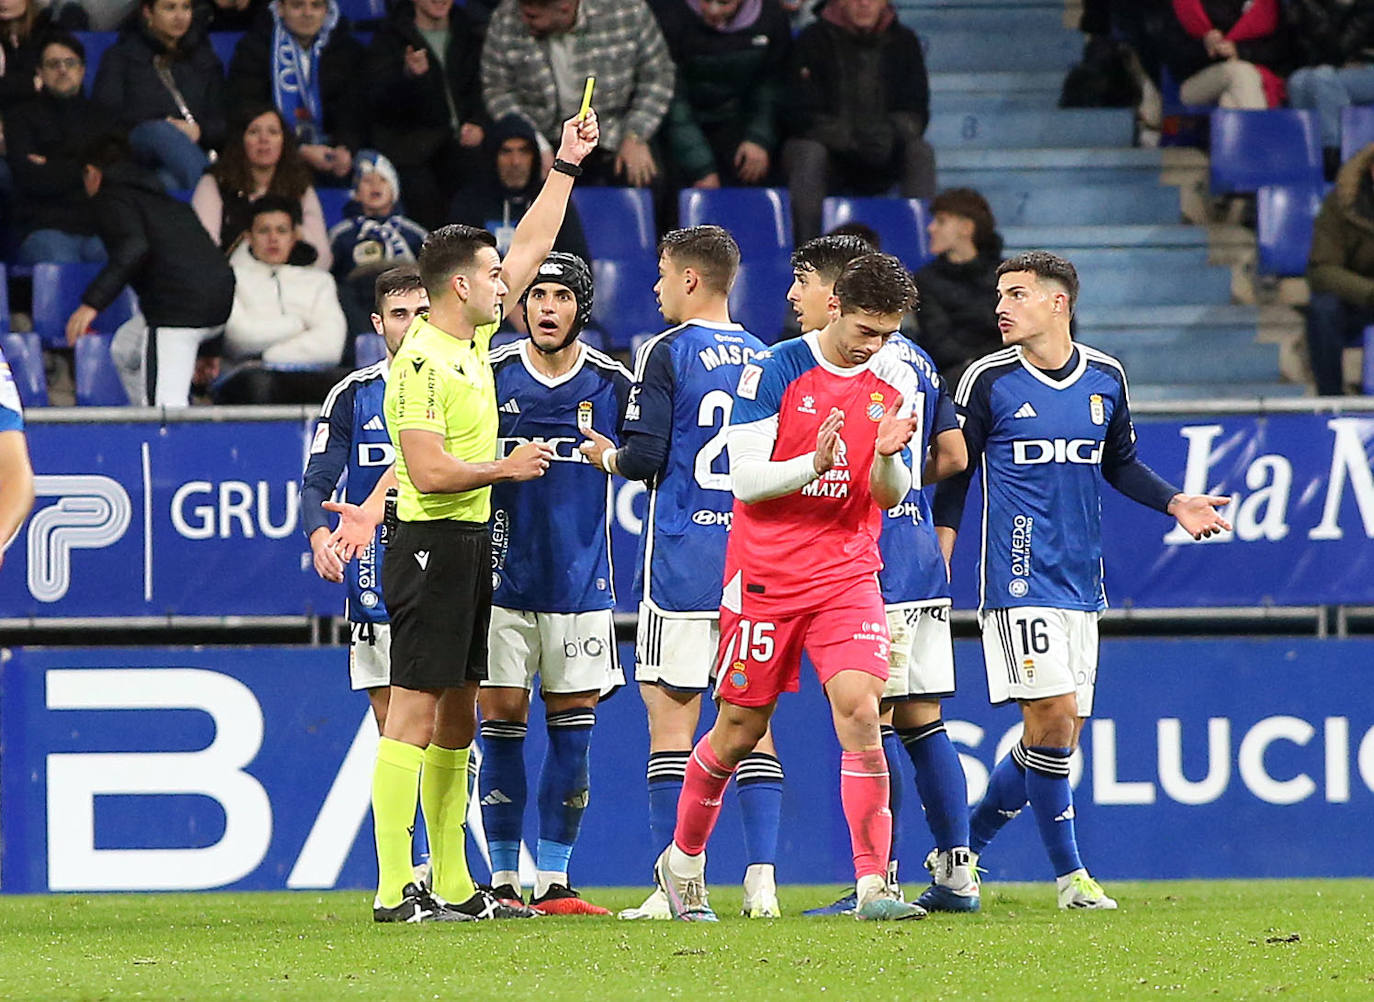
<point>249,768</point>
<point>146,516</point>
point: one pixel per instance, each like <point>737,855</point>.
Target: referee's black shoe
<point>418,905</point>
<point>485,905</point>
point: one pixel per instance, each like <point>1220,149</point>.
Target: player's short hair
<point>876,283</point>
<point>449,250</point>
<point>709,250</point>
<point>394,281</point>
<point>827,256</point>
<point>275,203</point>
<point>971,205</point>
<point>1044,265</point>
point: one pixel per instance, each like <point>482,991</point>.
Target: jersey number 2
<point>715,400</point>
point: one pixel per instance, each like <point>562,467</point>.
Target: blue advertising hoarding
<point>249,768</point>
<point>202,518</point>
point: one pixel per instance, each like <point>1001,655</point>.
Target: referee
<point>440,409</point>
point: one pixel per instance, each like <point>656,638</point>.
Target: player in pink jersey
<point>816,439</point>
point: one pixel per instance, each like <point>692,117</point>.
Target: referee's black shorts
<point>437,580</point>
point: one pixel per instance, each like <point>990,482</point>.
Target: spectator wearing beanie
<point>374,237</point>
<point>958,312</point>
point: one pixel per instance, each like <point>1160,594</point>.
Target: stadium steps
<point>961,49</point>
<point>1175,360</point>
<point>1067,128</point>
<point>988,19</point>
<point>1046,168</point>
<point>1021,204</point>
<point>1193,392</point>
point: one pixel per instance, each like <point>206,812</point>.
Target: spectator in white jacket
<point>285,336</point>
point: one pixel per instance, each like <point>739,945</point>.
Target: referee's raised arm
<point>534,236</point>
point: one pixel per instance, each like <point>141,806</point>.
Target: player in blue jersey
<point>1048,420</point>
<point>915,585</point>
<point>16,472</point>
<point>674,439</point>
<point>551,571</point>
<point>351,438</point>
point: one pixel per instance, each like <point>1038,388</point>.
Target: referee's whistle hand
<point>528,461</point>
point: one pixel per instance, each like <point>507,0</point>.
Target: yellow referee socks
<point>395,787</point>
<point>444,798</point>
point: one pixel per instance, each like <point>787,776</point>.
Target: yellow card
<point>587,98</point>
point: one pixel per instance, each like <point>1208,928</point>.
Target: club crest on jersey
<point>584,415</point>
<point>1028,668</point>
<point>1096,409</point>
<point>875,407</point>
<point>738,677</point>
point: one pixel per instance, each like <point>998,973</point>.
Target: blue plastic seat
<point>624,221</point>
<point>1367,364</point>
<point>900,223</point>
<point>1285,217</point>
<point>57,290</point>
<point>760,219</point>
<point>95,44</point>
<point>1253,148</point>
<point>97,381</point>
<point>332,202</point>
<point>369,348</point>
<point>758,299</point>
<point>1357,129</point>
<point>624,305</point>
<point>24,353</point>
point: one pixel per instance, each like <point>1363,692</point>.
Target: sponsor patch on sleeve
<point>321,440</point>
<point>749,382</point>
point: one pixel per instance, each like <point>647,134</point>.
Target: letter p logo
<point>91,512</point>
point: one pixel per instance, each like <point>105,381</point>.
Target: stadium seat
<point>332,201</point>
<point>1285,217</point>
<point>224,43</point>
<point>57,290</point>
<point>624,304</point>
<point>634,231</point>
<point>900,222</point>
<point>758,300</point>
<point>95,44</point>
<point>369,348</point>
<point>1253,148</point>
<point>1367,363</point>
<point>759,218</point>
<point>1357,129</point>
<point>24,353</point>
<point>97,382</point>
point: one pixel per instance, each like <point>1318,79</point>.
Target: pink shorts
<point>760,653</point>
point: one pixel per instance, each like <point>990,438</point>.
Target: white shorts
<point>369,655</point>
<point>569,651</point>
<point>1034,652</point>
<point>921,659</point>
<point>674,651</point>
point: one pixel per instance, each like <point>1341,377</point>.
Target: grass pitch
<point>1185,940</point>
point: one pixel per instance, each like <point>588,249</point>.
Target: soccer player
<point>351,436</point>
<point>16,472</point>
<point>440,408</point>
<point>674,439</point>
<point>816,440</point>
<point>915,584</point>
<point>551,564</point>
<point>1048,420</point>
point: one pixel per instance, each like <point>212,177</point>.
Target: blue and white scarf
<point>296,76</point>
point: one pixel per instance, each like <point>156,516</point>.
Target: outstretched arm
<point>539,227</point>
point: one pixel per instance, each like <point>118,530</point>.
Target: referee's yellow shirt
<point>441,384</point>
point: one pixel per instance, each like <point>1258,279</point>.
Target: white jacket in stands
<point>283,314</point>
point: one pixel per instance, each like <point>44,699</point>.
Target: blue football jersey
<point>684,393</point>
<point>1042,439</point>
<point>351,438</point>
<point>11,410</point>
<point>551,537</point>
<point>913,567</point>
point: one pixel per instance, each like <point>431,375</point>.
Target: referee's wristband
<point>564,167</point>
<point>608,461</point>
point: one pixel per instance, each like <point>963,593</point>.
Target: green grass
<point>1185,940</point>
